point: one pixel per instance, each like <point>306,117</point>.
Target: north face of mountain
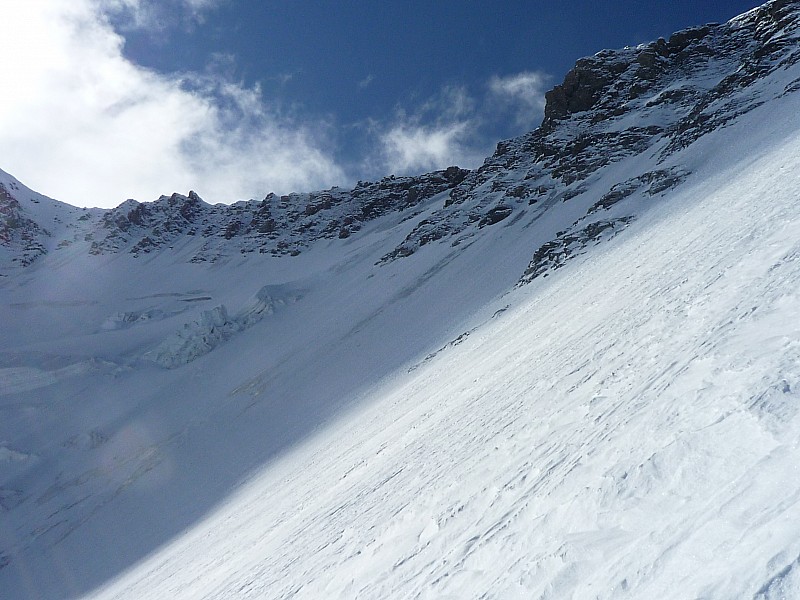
<point>613,131</point>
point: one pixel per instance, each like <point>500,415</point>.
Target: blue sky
<point>236,98</point>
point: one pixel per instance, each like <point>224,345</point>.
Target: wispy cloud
<point>408,147</point>
<point>105,129</point>
<point>452,103</point>
<point>364,83</point>
<point>522,94</point>
<point>457,127</point>
<point>156,15</point>
<point>439,132</point>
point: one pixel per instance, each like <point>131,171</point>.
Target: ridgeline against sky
<point>236,98</point>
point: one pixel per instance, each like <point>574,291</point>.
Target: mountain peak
<point>610,79</point>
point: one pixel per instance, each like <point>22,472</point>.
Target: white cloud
<point>409,148</point>
<point>81,123</point>
<point>455,127</point>
<point>523,93</point>
<point>441,132</point>
<point>452,103</point>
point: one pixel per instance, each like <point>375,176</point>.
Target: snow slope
<point>629,429</point>
<point>570,373</point>
<point>141,403</point>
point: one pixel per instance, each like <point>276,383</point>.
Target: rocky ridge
<point>17,231</point>
<point>647,101</point>
<point>636,108</point>
<point>276,225</point>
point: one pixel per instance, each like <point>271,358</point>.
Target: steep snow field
<point>628,428</point>
<point>387,411</point>
<point>107,454</point>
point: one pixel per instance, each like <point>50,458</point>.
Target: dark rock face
<point>18,232</point>
<point>554,254</point>
<point>495,215</point>
<point>276,225</point>
<point>582,87</point>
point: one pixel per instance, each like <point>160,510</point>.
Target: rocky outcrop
<point>276,225</point>
<point>554,254</point>
<point>647,101</point>
<point>21,235</point>
<point>652,183</point>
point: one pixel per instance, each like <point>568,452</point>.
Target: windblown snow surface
<point>626,427</point>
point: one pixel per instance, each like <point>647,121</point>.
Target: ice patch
<point>87,441</point>
<point>215,327</point>
<point>10,499</point>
